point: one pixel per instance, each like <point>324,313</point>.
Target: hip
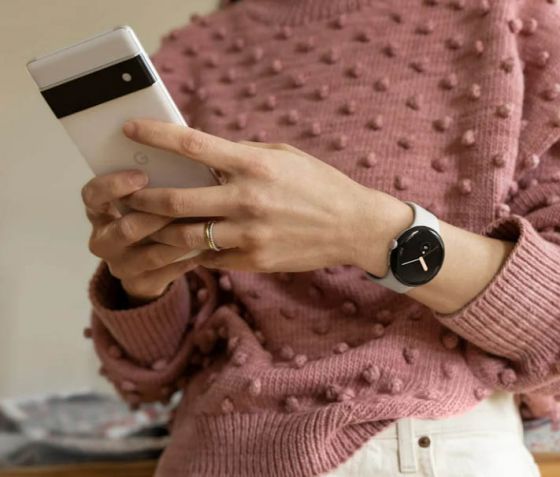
<point>485,441</point>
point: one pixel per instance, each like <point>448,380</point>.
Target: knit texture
<point>453,104</point>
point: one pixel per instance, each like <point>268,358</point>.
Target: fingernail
<point>129,128</point>
<point>138,178</point>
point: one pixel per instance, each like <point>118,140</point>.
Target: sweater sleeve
<point>145,350</point>
<point>517,315</point>
<point>512,326</point>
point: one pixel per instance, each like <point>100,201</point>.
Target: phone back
<point>96,85</point>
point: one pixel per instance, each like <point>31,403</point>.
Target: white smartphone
<point>95,86</point>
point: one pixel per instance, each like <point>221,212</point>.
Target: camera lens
<point>126,77</point>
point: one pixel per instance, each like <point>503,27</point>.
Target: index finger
<point>211,150</point>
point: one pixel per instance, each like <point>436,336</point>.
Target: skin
<point>144,268</point>
<point>278,209</point>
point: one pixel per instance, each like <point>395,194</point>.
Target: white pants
<point>486,441</point>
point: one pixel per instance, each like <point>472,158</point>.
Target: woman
<point>335,125</point>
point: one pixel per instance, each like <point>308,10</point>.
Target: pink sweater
<point>454,104</point>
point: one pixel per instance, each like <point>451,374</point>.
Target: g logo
<point>141,158</point>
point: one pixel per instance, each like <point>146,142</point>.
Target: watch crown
<point>394,244</point>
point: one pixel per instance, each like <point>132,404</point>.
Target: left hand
<point>280,209</point>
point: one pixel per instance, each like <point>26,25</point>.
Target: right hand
<point>145,268</point>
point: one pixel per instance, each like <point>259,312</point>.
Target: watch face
<point>418,256</point>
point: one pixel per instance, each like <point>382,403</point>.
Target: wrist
<point>134,300</point>
<point>382,217</point>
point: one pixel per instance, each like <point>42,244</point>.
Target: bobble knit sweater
<point>453,104</point>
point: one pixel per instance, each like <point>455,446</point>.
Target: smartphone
<point>93,87</point>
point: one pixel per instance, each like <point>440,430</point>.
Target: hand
<point>145,269</point>
<point>279,209</point>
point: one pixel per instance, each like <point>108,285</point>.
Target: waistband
<point>498,412</point>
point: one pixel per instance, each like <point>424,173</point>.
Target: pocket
<point>482,454</point>
<point>456,456</point>
<point>377,457</point>
<point>522,459</point>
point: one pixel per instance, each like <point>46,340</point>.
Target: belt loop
<point>406,446</point>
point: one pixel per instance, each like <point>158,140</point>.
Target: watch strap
<point>423,217</point>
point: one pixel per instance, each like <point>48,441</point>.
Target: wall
<point>44,261</point>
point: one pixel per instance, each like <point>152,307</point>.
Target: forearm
<point>471,260</point>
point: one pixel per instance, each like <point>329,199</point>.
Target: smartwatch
<point>415,255</point>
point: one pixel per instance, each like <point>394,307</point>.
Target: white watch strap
<point>421,217</point>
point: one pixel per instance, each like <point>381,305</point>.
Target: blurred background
<point>45,264</point>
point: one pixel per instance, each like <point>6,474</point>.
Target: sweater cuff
<point>148,332</point>
<point>517,315</point>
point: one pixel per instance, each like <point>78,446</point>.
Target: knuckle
<point>124,230</point>
<point>193,142</point>
<point>248,161</point>
<point>259,261</point>
<point>262,169</point>
<point>253,204</point>
<point>255,236</point>
<point>188,238</point>
<point>266,235</point>
<point>252,159</point>
<point>261,236</point>
<point>112,188</point>
<point>93,246</point>
<point>247,237</point>
<point>174,203</point>
<point>116,270</point>
<point>153,258</point>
